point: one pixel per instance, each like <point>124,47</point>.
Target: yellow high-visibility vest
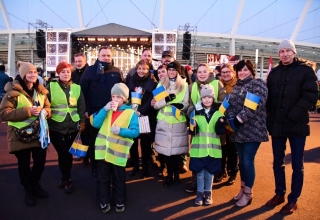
<point>111,147</point>
<point>195,93</point>
<point>59,104</point>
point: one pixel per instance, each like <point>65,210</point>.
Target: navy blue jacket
<point>96,85</point>
<point>4,78</point>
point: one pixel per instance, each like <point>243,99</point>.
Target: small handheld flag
<point>224,105</point>
<point>136,98</point>
<point>192,120</point>
<point>160,93</point>
<point>251,101</point>
<point>176,112</point>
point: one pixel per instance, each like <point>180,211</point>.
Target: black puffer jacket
<point>254,128</point>
<point>292,93</point>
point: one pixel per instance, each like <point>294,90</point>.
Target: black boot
<point>29,198</point>
<point>176,178</point>
<point>144,172</point>
<point>168,181</point>
<point>134,170</point>
<point>39,192</point>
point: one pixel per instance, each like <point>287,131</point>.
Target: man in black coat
<point>96,83</point>
<point>81,64</point>
<point>292,93</point>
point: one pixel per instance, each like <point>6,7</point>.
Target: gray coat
<point>254,127</point>
<point>172,139</point>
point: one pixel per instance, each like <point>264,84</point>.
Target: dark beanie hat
<point>175,65</point>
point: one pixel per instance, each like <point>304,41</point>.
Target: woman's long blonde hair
<point>179,82</point>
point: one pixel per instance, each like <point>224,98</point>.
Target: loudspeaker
<point>41,43</point>
<point>186,46</point>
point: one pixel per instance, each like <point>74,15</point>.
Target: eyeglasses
<point>226,72</point>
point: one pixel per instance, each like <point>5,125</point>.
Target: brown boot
<point>246,198</point>
<point>239,195</point>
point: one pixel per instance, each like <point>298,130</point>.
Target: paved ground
<point>148,199</point>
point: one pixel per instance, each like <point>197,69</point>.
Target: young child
<point>205,153</point>
<point>118,125</point>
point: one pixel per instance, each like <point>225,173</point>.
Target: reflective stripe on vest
<point>59,104</point>
<point>23,101</point>
<point>166,112</point>
<point>195,93</point>
<point>110,147</point>
<point>206,142</point>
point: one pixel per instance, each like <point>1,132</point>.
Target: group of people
<point>220,124</point>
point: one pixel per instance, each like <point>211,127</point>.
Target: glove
<point>171,97</point>
<point>177,105</point>
<point>115,129</point>
<point>237,123</point>
<point>107,107</point>
<point>81,127</point>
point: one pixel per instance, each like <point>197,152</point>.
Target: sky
<point>264,18</point>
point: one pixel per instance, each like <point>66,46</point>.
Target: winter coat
<point>4,79</point>
<point>254,127</point>
<point>77,74</point>
<point>8,112</point>
<point>292,93</point>
<point>68,125</point>
<point>96,85</point>
<point>172,139</point>
<point>211,164</point>
<point>229,85</point>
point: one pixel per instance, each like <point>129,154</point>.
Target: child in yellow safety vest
<point>205,152</point>
<point>118,126</point>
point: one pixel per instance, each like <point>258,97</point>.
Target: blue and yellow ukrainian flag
<point>251,101</point>
<point>176,112</point>
<point>224,105</point>
<point>160,93</point>
<point>192,120</point>
<point>136,98</point>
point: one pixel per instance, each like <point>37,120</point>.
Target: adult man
<point>80,61</point>
<point>292,92</point>
<point>96,83</point>
<point>81,64</point>
<point>146,55</point>
<point>4,78</point>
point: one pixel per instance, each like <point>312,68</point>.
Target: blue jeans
<point>247,152</point>
<point>297,149</point>
<point>204,180</point>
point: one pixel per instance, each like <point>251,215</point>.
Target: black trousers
<point>230,159</point>
<point>109,173</point>
<point>62,143</point>
<point>92,140</point>
<point>31,176</point>
<point>145,151</point>
<point>172,163</point>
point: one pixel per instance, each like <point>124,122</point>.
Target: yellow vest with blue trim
<point>111,147</point>
<point>195,93</point>
<point>59,104</point>
<point>23,101</point>
<point>166,112</point>
<point>206,142</point>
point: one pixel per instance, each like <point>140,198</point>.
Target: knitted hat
<point>206,90</point>
<point>175,65</point>
<point>63,65</point>
<point>120,89</point>
<point>188,68</point>
<point>287,44</point>
<point>24,68</point>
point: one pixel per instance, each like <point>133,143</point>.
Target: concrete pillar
<point>11,56</point>
<point>232,48</point>
<point>261,67</point>
<point>32,55</point>
<point>241,57</point>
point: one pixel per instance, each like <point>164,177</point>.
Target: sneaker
<point>193,186</point>
<point>105,208</point>
<point>39,192</point>
<point>62,183</point>
<point>120,208</point>
<point>68,188</point>
<point>207,197</point>
<point>199,199</point>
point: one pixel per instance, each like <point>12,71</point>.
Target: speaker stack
<point>41,43</point>
<point>186,48</point>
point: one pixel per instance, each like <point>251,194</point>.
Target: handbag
<point>29,132</point>
<point>144,125</point>
<point>77,148</point>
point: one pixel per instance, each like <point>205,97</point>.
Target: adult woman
<point>68,115</point>
<point>229,152</point>
<point>21,106</point>
<point>142,82</point>
<point>171,137</point>
<point>250,124</point>
<point>204,76</point>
